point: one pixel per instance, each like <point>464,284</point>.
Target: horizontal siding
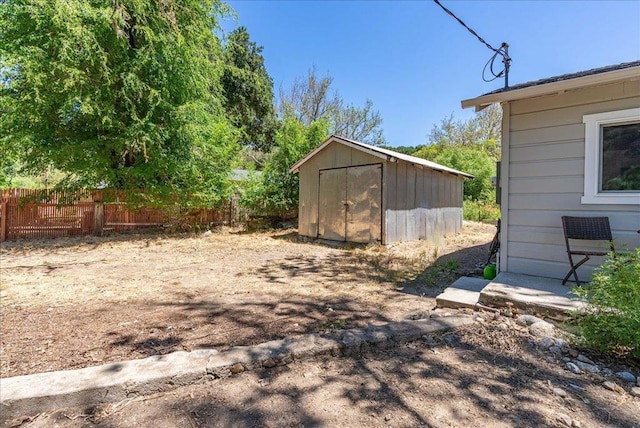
<point>546,168</point>
<point>587,97</point>
<point>552,134</point>
<point>621,221</point>
<point>546,178</point>
<point>566,115</point>
<point>550,151</point>
<point>548,184</point>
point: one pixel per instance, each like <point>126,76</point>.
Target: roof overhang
<point>379,152</point>
<point>484,101</point>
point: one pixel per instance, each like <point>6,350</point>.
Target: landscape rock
<point>635,391</point>
<point>564,419</point>
<point>546,342</point>
<point>585,359</point>
<point>527,319</point>
<point>591,368</point>
<point>555,350</point>
<point>612,386</point>
<point>542,329</point>
<point>573,368</point>
<point>269,363</point>
<point>236,368</point>
<point>626,376</point>
<point>559,392</point>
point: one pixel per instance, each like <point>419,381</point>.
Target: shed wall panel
<point>546,177</point>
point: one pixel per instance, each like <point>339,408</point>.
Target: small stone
<point>576,423</point>
<point>269,363</point>
<point>550,359</point>
<point>387,418</point>
<point>542,329</point>
<point>207,233</point>
<point>611,386</point>
<point>236,368</point>
<point>566,359</point>
<point>584,359</point>
<point>503,326</point>
<point>626,376</point>
<point>560,392</point>
<point>573,368</point>
<point>555,350</point>
<point>480,319</point>
<point>573,353</point>
<point>561,343</point>
<point>564,419</point>
<point>546,342</point>
<point>607,371</point>
<point>527,319</point>
<point>591,368</point>
<point>635,391</point>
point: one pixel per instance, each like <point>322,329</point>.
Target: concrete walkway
<point>34,394</point>
<point>533,294</point>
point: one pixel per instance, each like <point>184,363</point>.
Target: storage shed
<point>351,191</point>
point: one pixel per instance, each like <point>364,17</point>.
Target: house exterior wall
<point>417,203</point>
<point>544,160</point>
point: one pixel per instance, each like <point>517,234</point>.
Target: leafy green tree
<point>121,92</point>
<point>248,91</point>
<point>276,191</point>
<point>484,131</point>
<point>475,162</point>
<point>310,99</point>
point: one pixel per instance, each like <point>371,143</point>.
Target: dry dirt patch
<point>77,302</point>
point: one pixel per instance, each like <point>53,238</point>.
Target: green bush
<point>611,324</point>
<point>480,211</point>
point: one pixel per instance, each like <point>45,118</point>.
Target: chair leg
<point>574,270</point>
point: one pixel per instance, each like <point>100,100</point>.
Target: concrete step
<point>463,293</point>
<point>532,294</point>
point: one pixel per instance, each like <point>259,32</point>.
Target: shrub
<point>480,211</point>
<point>611,324</point>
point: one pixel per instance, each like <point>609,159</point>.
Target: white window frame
<point>592,148</point>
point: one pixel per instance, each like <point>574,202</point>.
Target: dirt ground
<point>70,303</point>
<point>78,302</point>
<point>485,375</point>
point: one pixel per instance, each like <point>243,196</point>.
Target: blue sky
<point>416,63</point>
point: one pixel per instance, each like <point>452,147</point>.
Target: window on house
<point>612,157</point>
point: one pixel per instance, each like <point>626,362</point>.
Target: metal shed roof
<point>564,82</point>
<point>388,155</point>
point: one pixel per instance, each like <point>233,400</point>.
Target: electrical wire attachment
<point>503,52</point>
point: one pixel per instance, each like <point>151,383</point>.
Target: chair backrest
<point>591,228</point>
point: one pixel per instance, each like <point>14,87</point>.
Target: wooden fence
<point>32,214</point>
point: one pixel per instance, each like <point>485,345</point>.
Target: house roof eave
<point>538,89</point>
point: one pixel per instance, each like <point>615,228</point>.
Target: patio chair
<point>585,228</point>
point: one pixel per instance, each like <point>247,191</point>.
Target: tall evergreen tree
<point>248,91</point>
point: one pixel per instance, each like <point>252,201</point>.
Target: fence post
<point>98,218</point>
<point>3,221</point>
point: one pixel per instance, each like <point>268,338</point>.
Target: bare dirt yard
<point>86,301</point>
<point>70,303</point>
<point>484,375</point>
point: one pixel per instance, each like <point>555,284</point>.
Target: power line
<point>503,51</point>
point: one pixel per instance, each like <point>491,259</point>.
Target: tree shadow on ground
<point>432,280</point>
<point>443,379</point>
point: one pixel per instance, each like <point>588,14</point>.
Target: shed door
<point>351,204</point>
